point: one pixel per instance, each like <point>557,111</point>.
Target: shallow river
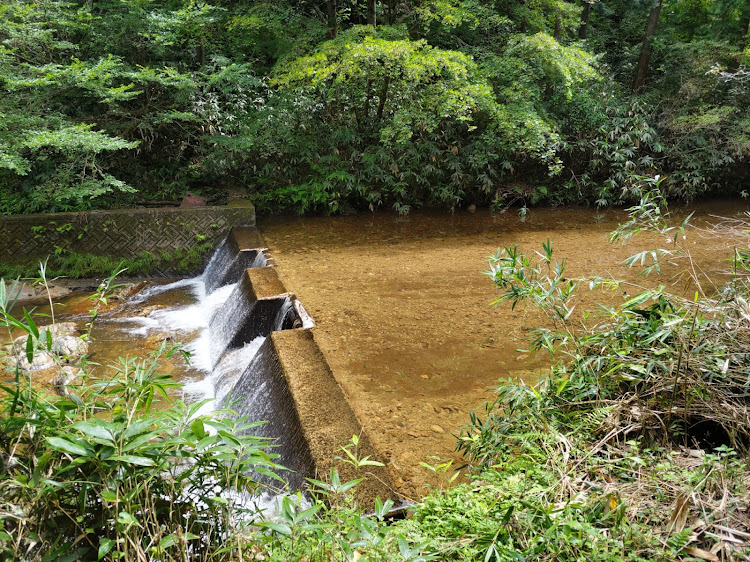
<point>402,310</point>
<point>403,315</point>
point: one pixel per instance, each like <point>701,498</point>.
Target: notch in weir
<point>258,305</point>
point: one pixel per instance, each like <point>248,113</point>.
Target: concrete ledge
<point>289,382</point>
<point>325,415</point>
<point>260,283</point>
<point>246,238</point>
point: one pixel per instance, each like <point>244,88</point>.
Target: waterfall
<point>229,260</point>
<point>242,333</point>
<point>262,394</point>
<point>220,261</point>
<point>243,318</point>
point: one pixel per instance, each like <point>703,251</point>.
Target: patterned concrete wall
<point>121,233</point>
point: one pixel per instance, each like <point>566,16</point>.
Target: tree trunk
<point>744,24</point>
<point>558,28</point>
<point>383,96</point>
<point>200,57</point>
<point>391,14</point>
<point>583,30</point>
<point>371,12</point>
<point>367,98</point>
<point>332,24</point>
<point>642,68</point>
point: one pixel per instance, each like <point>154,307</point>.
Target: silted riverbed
<point>403,316</point>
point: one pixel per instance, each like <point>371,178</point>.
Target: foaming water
<point>158,289</point>
<point>194,318</point>
<point>188,323</point>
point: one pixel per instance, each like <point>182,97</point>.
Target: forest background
<point>336,105</point>
<point>326,106</point>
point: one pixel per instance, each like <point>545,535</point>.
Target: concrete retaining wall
<point>123,233</point>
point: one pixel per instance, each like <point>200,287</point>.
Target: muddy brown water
<point>403,315</point>
<point>111,337</point>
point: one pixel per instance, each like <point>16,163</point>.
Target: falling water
<point>228,262</point>
<point>226,328</point>
<point>241,319</point>
<point>261,394</point>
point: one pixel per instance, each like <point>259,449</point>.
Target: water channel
<point>402,311</point>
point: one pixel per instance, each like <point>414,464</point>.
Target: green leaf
<point>140,440</point>
<point>168,541</point>
<point>346,486</point>
<point>30,348</point>
<point>105,546</point>
<point>309,512</point>
<point>279,528</point>
<point>66,446</point>
<point>127,520</point>
<point>198,428</point>
<point>229,438</point>
<point>96,429</point>
<point>31,324</point>
<point>137,427</point>
<point>133,459</point>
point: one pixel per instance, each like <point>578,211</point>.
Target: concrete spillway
<point>231,257</point>
<point>287,382</point>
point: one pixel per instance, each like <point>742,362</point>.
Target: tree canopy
<point>323,106</point>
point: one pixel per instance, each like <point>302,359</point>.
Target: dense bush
<point>101,470</point>
<point>442,102</point>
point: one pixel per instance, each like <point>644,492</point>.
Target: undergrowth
<point>100,471</point>
<point>79,265</point>
<point>634,445</point>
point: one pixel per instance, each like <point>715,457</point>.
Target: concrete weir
<point>288,383</point>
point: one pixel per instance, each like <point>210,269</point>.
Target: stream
<point>403,315</point>
<point>403,311</point>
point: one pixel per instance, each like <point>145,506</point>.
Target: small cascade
<point>260,260</point>
<point>286,317</point>
<point>229,260</point>
<point>220,260</point>
<point>262,394</point>
<point>231,366</point>
<point>249,312</point>
<point>242,326</point>
<point>232,270</point>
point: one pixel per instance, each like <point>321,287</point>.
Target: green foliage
<point>406,124</point>
<point>128,484</point>
<point>445,102</point>
<point>590,462</point>
<point>78,265</point>
<point>114,467</point>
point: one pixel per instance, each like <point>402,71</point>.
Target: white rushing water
<point>188,324</point>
